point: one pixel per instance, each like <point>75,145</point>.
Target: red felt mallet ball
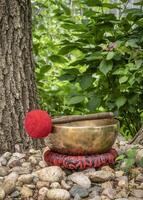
<point>38,123</point>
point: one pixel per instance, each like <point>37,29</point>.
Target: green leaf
<point>110,55</point>
<point>121,71</point>
<point>105,66</point>
<point>123,79</point>
<point>93,2</point>
<point>67,77</point>
<point>94,103</point>
<point>120,101</point>
<point>86,82</point>
<point>131,153</point>
<point>66,49</point>
<point>120,157</point>
<point>132,43</point>
<point>138,63</point>
<point>76,99</point>
<point>95,56</point>
<point>58,59</point>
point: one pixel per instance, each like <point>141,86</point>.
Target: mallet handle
<point>73,118</point>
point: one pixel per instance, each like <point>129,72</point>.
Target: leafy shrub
<point>95,59</point>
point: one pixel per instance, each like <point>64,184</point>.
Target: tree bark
<point>17,81</point>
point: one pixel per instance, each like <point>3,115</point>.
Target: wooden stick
<point>73,118</point>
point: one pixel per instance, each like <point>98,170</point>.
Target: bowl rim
<point>63,126</point>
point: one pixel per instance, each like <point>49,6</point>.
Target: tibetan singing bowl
<point>83,137</point>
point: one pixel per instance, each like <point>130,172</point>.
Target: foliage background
<point>89,58</point>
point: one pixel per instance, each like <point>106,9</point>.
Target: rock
<point>65,185</point>
<point>33,151</point>
<point>107,169</point>
<point>139,155</point>
<point>58,194</point>
<point>9,183</point>
<point>41,184</point>
<point>109,192</point>
<point>22,170</point>
<point>139,178</point>
<point>101,176</point>
<point>81,191</point>
<point>80,179</point>
<point>77,197</point>
<point>123,182</point>
<point>55,185</point>
<point>15,194</point>
<point>19,155</point>
<point>26,192</point>
<point>42,193</point>
<point>2,194</point>
<point>137,193</point>
<point>119,174</point>
<point>7,155</point>
<point>42,164</point>
<point>14,161</point>
<point>4,171</point>
<point>33,160</point>
<point>96,198</point>
<point>26,178</point>
<point>96,188</point>
<point>107,184</point>
<point>51,174</point>
<point>88,171</point>
<point>122,199</point>
<point>3,161</point>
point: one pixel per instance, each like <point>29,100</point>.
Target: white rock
<point>55,185</point>
<point>26,192</point>
<point>65,185</point>
<point>10,182</point>
<point>123,182</point>
<point>51,174</point>
<point>42,164</point>
<point>7,155</point>
<point>109,192</point>
<point>2,194</point>
<point>43,191</point>
<point>26,178</point>
<point>80,179</point>
<point>41,184</point>
<point>58,194</point>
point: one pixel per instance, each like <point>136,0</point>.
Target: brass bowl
<point>83,137</point>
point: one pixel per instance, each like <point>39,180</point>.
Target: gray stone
<point>81,191</point>
<point>58,194</point>
<point>15,194</point>
<point>80,179</point>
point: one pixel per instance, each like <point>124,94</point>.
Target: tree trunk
<point>138,139</point>
<point>17,82</point>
